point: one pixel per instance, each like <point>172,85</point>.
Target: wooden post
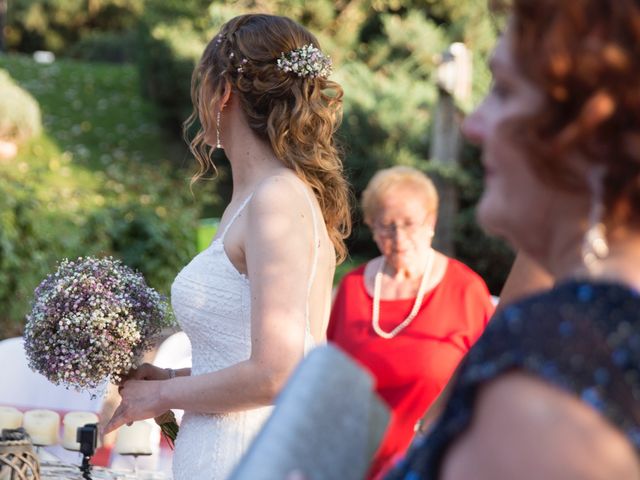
<point>445,149</point>
<point>454,85</point>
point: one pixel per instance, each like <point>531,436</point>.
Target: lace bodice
<point>212,303</point>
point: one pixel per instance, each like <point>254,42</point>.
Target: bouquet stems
<point>168,427</point>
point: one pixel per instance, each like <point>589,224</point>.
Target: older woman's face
<point>403,227</point>
<point>515,203</point>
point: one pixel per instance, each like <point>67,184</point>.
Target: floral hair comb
<point>307,61</point>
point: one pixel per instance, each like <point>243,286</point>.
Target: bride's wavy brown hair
<point>297,115</point>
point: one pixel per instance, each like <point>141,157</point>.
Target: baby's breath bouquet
<point>91,321</point>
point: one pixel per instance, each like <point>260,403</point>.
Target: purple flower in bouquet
<point>91,321</point>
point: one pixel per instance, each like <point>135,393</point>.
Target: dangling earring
<point>595,247</point>
<point>218,143</point>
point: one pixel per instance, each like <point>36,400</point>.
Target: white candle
<point>42,426</point>
<point>10,418</point>
<point>134,440</point>
<point>72,421</point>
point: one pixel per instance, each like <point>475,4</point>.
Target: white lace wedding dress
<point>212,303</point>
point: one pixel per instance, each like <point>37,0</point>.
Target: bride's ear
<point>226,95</point>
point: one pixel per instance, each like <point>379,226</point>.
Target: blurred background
<point>93,94</point>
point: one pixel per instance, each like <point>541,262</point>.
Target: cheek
<point>514,204</point>
<point>384,245</point>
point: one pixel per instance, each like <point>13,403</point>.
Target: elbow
<point>272,382</point>
<point>270,390</point>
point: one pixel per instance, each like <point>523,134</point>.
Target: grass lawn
<point>93,111</point>
<point>99,131</point>
<point>102,179</point>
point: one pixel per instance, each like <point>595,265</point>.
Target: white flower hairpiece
<point>307,61</point>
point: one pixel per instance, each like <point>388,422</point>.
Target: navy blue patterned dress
<point>581,336</point>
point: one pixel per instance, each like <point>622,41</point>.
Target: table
<point>51,470</point>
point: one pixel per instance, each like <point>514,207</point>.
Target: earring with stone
<point>218,143</point>
<point>595,246</point>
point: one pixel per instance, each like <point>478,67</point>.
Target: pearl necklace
<point>375,316</point>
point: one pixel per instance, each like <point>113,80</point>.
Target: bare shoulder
<point>281,192</point>
<point>528,429</point>
<point>280,212</point>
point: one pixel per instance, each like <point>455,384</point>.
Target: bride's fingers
<point>119,418</point>
<point>140,373</point>
<point>125,377</point>
<point>146,371</point>
<point>122,385</point>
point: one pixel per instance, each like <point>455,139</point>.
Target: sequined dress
<point>582,336</point>
<point>212,303</point>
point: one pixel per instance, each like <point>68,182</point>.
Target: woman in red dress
<point>410,315</point>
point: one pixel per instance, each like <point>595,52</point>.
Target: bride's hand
<point>141,399</point>
<point>146,371</point>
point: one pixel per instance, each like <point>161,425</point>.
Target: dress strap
<point>314,265</point>
<point>235,215</point>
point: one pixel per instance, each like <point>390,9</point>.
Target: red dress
<point>412,368</point>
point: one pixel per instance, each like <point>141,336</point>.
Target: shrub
<point>40,224</point>
<point>172,36</point>
<point>57,24</point>
<point>32,238</point>
<point>169,53</point>
<point>105,47</point>
<point>20,116</point>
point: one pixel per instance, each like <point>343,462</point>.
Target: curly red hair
<point>584,56</point>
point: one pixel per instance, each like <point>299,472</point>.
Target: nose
<point>400,236</point>
<point>473,127</point>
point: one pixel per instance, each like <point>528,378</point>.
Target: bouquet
<point>91,321</point>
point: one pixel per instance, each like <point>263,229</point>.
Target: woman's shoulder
<point>515,410</point>
<point>462,276</point>
<point>462,272</point>
<point>602,304</point>
<point>565,334</point>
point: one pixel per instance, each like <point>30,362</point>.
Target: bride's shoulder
<point>282,191</point>
<point>279,216</point>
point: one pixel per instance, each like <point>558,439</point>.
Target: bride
<point>259,296</point>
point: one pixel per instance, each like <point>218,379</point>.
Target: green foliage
<point>57,24</point>
<point>20,116</point>
<point>100,181</point>
<point>172,36</point>
<point>171,51</point>
<point>386,120</point>
<point>35,231</point>
<point>110,47</point>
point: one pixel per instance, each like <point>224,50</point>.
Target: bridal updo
<point>298,114</point>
